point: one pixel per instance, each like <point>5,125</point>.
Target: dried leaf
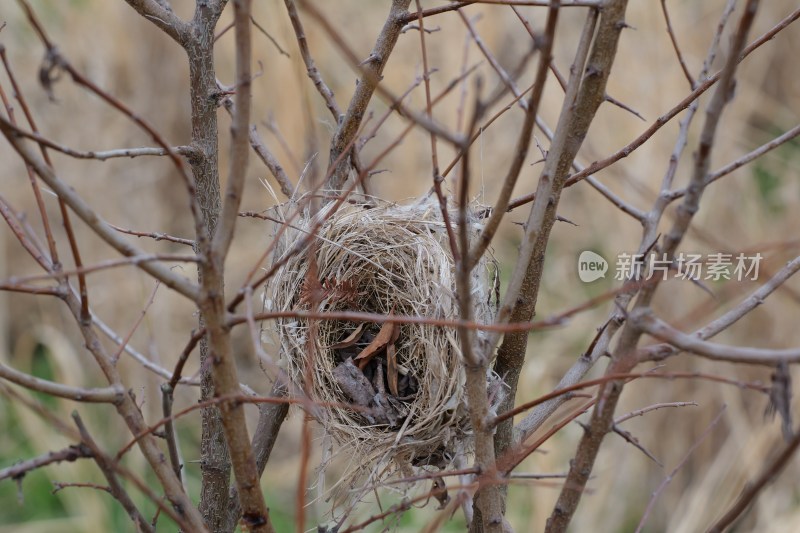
<point>383,338</point>
<point>351,339</point>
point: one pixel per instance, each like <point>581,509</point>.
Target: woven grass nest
<point>406,396</point>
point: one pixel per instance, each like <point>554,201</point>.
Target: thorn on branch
<point>408,27</point>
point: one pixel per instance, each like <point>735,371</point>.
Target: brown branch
<point>668,479</point>
<point>106,265</point>
<point>372,69</point>
<point>436,175</point>
<point>662,351</point>
<point>111,394</point>
<point>222,369</point>
<point>412,17</point>
<point>102,155</point>
<point>625,356</point>
<point>239,150</point>
<point>745,159</point>
<point>754,488</point>
<point>645,320</point>
<point>311,68</point>
<point>270,419</point>
<point>28,289</point>
<point>669,115</point>
<point>176,512</point>
<point>654,407</point>
<point>55,61</point>
<point>167,400</point>
<point>271,39</point>
<point>566,391</point>
<point>580,104</point>
<point>65,217</point>
<point>271,162</point>
<point>163,17</point>
<point>182,509</point>
<point>524,139</point>
<point>489,502</point>
<point>108,469</point>
<point>90,217</point>
<point>69,454</point>
<point>600,345</point>
<point>675,45</point>
<point>55,262</point>
<point>154,236</point>
<point>12,219</point>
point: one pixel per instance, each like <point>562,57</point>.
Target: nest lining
<point>379,260</point>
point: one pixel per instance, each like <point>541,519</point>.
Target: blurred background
<point>753,210</point>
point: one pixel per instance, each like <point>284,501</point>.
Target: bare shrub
<point>183,293</point>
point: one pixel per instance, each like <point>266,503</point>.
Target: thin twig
<point>111,394</point>
<point>669,115</point>
<point>745,159</point>
<point>675,45</point>
<point>154,235</point>
<point>109,472</point>
<point>754,488</point>
<point>666,481</point>
<point>645,320</point>
<point>69,454</point>
<point>654,407</point>
<point>411,17</point>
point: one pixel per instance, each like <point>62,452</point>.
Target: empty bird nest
<point>394,391</point>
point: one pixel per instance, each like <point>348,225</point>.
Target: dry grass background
<point>747,211</point>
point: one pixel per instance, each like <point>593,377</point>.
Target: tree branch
<point>372,69</point>
<point>111,394</point>
<point>99,226</point>
<point>162,16</point>
<point>69,454</point>
<point>645,320</point>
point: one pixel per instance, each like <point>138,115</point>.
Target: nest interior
<point>399,388</point>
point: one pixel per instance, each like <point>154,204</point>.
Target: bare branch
<point>163,17</point>
<point>372,69</point>
<point>239,133</point>
<point>524,139</point>
<point>69,454</point>
<point>669,115</point>
<point>102,155</point>
<point>437,177</point>
<point>625,357</point>
<point>270,419</point>
<point>654,407</point>
<point>661,351</point>
<point>752,489</point>
<point>666,481</point>
<point>87,214</point>
<point>675,45</point>
<point>271,163</point>
<point>111,394</point>
<point>412,17</point>
<point>154,236</point>
<point>108,469</point>
<point>645,320</point>
<point>745,159</point>
<point>311,68</point>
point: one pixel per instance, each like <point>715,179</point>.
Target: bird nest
<point>394,391</point>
